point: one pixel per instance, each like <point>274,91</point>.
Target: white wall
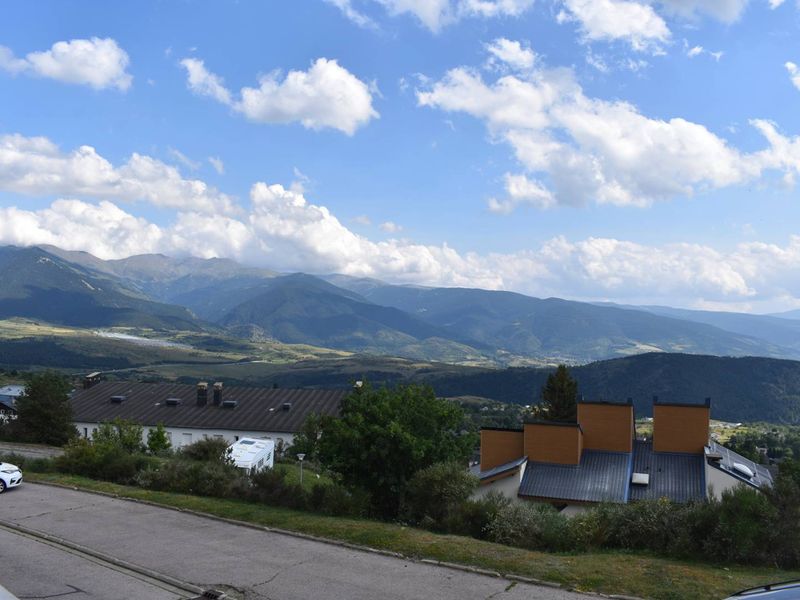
<point>718,481</point>
<point>508,486</point>
<point>181,436</point>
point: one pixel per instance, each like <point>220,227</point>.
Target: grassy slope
<point>24,343</point>
<point>607,572</point>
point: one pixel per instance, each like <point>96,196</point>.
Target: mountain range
<point>455,325</point>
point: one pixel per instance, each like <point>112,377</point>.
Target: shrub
<point>531,525</point>
<point>271,487</point>
<point>121,434</point>
<point>158,443</point>
<point>208,450</point>
<point>36,465</point>
<point>101,461</point>
<point>335,500</point>
<point>436,493</point>
<point>203,478</point>
<point>474,516</point>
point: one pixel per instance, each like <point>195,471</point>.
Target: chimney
<point>218,393</point>
<point>680,427</point>
<point>202,393</point>
<point>90,380</point>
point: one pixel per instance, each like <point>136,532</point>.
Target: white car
<point>10,476</point>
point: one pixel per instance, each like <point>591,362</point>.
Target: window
<point>205,436</point>
<point>86,432</point>
<point>186,439</point>
<point>169,436</point>
<point>219,436</point>
<point>236,438</point>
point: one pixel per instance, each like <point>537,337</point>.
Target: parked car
<point>10,476</point>
<point>786,590</point>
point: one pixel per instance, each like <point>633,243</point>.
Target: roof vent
<point>743,470</point>
<point>287,406</point>
<point>640,479</point>
<point>229,403</point>
<point>117,399</point>
<point>172,401</point>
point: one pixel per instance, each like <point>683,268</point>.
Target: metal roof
<point>678,477</point>
<point>257,409</point>
<point>600,476</point>
<point>14,391</point>
<point>501,468</point>
<point>761,475</point>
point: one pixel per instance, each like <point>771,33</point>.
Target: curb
<point>341,544</point>
<point>150,573</point>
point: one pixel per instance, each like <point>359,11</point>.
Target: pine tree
<point>559,397</point>
<point>44,412</point>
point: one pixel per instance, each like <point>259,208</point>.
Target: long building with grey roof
<point>193,412</point>
<point>599,458</point>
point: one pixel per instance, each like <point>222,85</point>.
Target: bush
<point>335,500</point>
<point>271,487</point>
<point>36,465</point>
<point>103,461</point>
<point>474,516</point>
<point>203,478</point>
<point>121,434</point>
<point>532,526</point>
<point>436,493</point>
<point>158,443</point>
<point>208,450</point>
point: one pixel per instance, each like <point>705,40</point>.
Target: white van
<point>253,455</point>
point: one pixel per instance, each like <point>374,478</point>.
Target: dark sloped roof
<point>501,468</point>
<point>600,476</point>
<point>678,477</point>
<point>257,409</point>
<point>761,475</point>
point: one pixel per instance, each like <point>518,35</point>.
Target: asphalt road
<point>256,565</point>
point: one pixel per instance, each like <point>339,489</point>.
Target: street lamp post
<point>300,457</point>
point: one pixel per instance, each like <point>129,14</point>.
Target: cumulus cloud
<point>284,230</point>
<point>36,166</point>
<point>583,149</point>
<point>325,96</point>
<point>611,20</point>
<point>505,52</point>
<point>98,63</point>
<point>794,74</point>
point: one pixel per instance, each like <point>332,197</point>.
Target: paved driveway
<point>257,564</point>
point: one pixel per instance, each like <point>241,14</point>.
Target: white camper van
<point>253,455</point>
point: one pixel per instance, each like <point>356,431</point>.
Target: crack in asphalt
<point>62,594</point>
<point>280,572</point>
<point>508,588</point>
<point>59,510</point>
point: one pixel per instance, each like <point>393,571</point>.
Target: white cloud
<point>694,51</point>
<point>325,96</point>
<point>511,53</point>
<point>611,20</point>
<point>363,220</point>
<point>726,11</point>
<point>390,227</point>
<point>187,162</point>
<point>583,149</point>
<point>204,83</point>
<point>522,190</point>
<point>36,166</point>
<point>99,63</point>
<point>794,74</point>
<point>217,163</point>
<point>285,231</point>
<point>436,14</point>
<point>357,17</point>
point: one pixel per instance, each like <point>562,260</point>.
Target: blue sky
<point>620,150</point>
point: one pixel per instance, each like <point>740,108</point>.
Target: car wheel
<point>2,486</point>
